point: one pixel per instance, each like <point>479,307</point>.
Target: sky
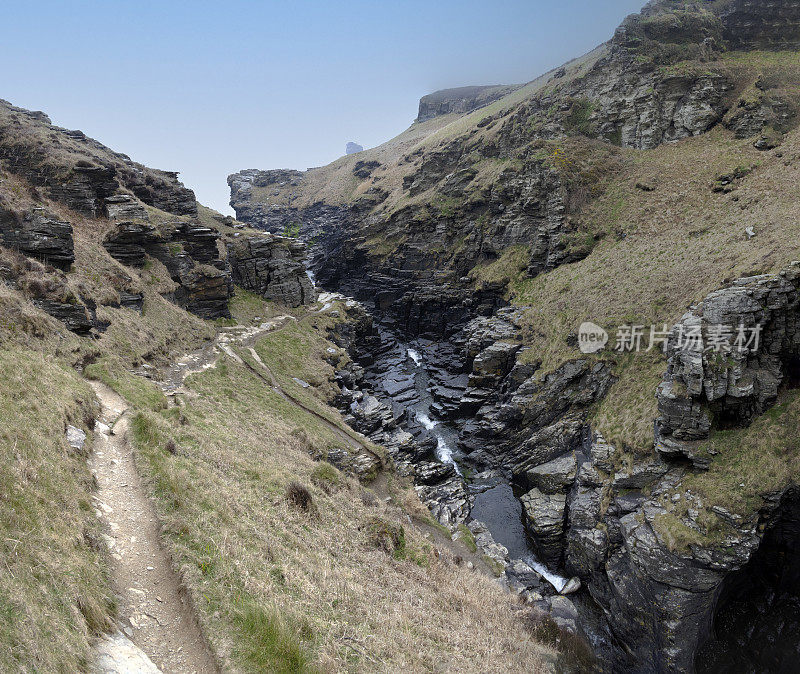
<point>211,88</point>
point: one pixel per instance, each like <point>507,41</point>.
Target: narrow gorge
<point>516,390</point>
<point>622,493</point>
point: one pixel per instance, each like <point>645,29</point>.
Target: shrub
<point>385,536</point>
<point>466,537</point>
<point>576,653</point>
<point>36,288</point>
<point>298,496</point>
<point>368,498</point>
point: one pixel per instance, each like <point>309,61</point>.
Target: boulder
<point>554,476</point>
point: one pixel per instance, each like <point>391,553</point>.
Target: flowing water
<point>401,376</point>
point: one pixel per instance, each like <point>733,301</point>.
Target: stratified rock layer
<point>273,268</point>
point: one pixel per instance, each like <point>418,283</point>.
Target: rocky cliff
<point>58,184</point>
<point>622,188</point>
<point>460,100</point>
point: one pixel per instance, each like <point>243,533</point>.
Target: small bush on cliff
<point>298,496</point>
<point>576,654</point>
<point>385,536</point>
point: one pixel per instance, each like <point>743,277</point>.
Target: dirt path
<point>154,613</point>
<point>158,628</point>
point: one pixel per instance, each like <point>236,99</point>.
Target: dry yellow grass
<point>310,593</point>
<point>662,251</point>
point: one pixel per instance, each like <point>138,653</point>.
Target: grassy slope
<point>278,590</point>
<point>284,590</point>
<point>53,587</point>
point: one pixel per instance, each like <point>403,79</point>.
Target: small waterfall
<point>443,450</point>
<point>554,579</point>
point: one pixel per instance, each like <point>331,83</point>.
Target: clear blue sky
<point>209,88</point>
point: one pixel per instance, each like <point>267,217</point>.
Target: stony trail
<point>158,630</point>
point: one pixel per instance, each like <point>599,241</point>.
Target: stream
<point>404,375</point>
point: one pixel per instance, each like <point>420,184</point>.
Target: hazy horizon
<point>208,90</point>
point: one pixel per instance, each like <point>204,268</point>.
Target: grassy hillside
<point>351,584</point>
<point>346,584</point>
<point>54,592</point>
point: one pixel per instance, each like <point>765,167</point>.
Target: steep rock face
<point>130,242</point>
<point>273,218</point>
<point>652,109</point>
<point>205,291</point>
<point>38,233</point>
<point>80,172</point>
<point>188,251</point>
<point>761,24</point>
<point>460,100</point>
<point>727,359</point>
<point>273,268</point>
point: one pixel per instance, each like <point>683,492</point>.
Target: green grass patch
<point>763,458</point>
<point>268,641</point>
<point>140,392</point>
<point>509,267</point>
<point>467,538</point>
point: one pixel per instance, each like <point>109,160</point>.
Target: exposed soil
<point>153,609</point>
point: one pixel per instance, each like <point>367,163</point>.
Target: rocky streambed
<point>410,394</point>
<point>572,524</point>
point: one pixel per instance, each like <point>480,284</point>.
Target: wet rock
<point>572,586</point>
<point>561,610</point>
<point>554,476</point>
<point>448,501</point>
<point>486,543</point>
<point>522,579</point>
<point>544,518</point>
<point>432,472</point>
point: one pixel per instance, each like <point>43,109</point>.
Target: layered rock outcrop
<point>272,267</point>
<point>79,171</point>
<point>38,233</point>
<point>728,358</point>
